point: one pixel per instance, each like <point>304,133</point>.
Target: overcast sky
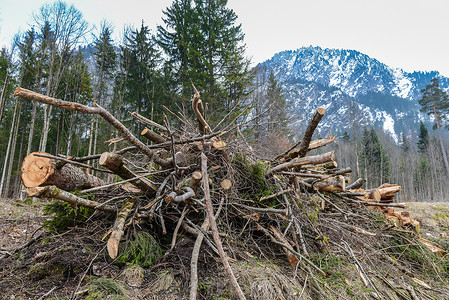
<point>409,34</point>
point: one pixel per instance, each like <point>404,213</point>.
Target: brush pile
<point>192,180</point>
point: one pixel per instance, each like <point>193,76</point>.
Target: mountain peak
<point>339,78</point>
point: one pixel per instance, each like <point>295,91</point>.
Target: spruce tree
<point>205,45</point>
<point>277,115</point>
<point>435,101</point>
<point>423,138</point>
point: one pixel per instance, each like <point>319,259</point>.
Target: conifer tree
<point>277,115</point>
<point>435,101</point>
<point>423,138</point>
<point>205,45</point>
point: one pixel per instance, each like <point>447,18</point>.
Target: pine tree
<point>375,163</point>
<point>405,145</point>
<point>143,75</point>
<point>277,115</point>
<point>205,45</point>
<point>435,101</point>
<point>423,138</point>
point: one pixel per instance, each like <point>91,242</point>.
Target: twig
<point>264,210</point>
<point>362,271</point>
<point>214,229</point>
<point>97,156</point>
<point>296,253</point>
<point>113,184</point>
<point>85,273</point>
<point>47,293</point>
<point>185,211</point>
<point>275,195</point>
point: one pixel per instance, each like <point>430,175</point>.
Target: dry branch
<point>214,229</point>
<point>93,110</point>
<point>118,228</point>
<point>300,161</point>
<point>56,193</point>
<point>304,146</point>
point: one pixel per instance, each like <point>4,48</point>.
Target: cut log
<point>118,229</point>
<point>42,171</point>
<point>387,191</point>
<point>195,180</point>
<point>304,146</point>
<point>153,136</point>
<point>226,184</point>
<point>356,184</point>
<point>313,145</point>
<point>300,161</point>
<point>329,165</point>
<point>114,162</point>
<point>56,193</point>
<point>373,194</point>
<point>336,184</point>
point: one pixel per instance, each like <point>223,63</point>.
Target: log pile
<point>185,177</point>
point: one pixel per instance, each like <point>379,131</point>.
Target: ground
<point>54,266</point>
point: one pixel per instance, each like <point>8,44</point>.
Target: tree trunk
<point>3,96</point>
<point>8,149</point>
<point>443,150</point>
<point>41,171</point>
<point>31,132</point>
<point>114,162</point>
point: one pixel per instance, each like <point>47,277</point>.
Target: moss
<point>102,288</point>
<point>253,184</point>
<point>44,269</point>
<point>143,251</point>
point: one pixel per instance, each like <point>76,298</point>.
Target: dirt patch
<point>18,222</point>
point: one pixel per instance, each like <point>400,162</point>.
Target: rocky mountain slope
<point>354,88</point>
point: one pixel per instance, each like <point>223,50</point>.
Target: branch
<point>56,193</point>
<point>213,226</point>
<point>303,148</point>
<point>93,110</point>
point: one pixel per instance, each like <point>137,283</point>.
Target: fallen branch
<point>214,229</point>
<point>93,110</point>
<point>304,146</point>
<point>118,228</point>
<point>56,193</point>
<point>300,161</point>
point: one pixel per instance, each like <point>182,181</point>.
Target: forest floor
<point>27,274</point>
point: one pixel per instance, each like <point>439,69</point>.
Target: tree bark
<point>118,229</point>
<point>42,171</point>
<point>56,193</point>
<point>304,146</point>
<point>114,162</point>
<point>300,161</point>
<point>153,136</point>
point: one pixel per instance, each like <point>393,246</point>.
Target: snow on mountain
<point>351,86</point>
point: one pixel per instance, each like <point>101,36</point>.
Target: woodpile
<point>184,179</point>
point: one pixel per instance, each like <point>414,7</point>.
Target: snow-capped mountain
<point>353,87</point>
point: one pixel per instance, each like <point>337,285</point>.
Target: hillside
<point>353,87</point>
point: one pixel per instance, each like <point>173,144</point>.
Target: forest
<point>151,72</point>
